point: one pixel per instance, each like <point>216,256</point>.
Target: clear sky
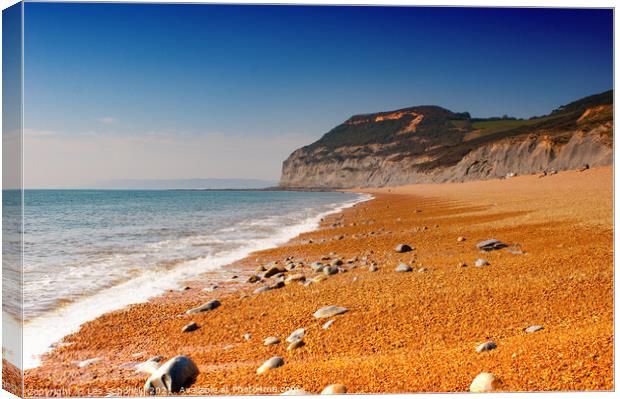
<point>139,91</point>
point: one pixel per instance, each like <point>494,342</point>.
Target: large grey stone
<point>176,374</point>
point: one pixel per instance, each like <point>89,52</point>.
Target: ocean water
<point>87,252</point>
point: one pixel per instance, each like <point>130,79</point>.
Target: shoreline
<point>399,323</point>
<point>61,322</point>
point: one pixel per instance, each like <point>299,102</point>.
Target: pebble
<point>334,389</point>
<point>373,268</point>
<point>328,324</point>
<point>401,248</point>
<point>173,376</point>
<point>487,346</point>
<point>295,344</point>
<point>329,311</point>
<point>205,307</point>
<point>490,245</point>
<point>295,278</point>
<point>247,336</point>
<point>272,341</point>
<point>532,329</point>
<point>462,264</point>
<point>190,327</point>
<point>336,262</point>
<point>484,382</point>
<point>272,363</point>
<point>403,268</point>
<point>253,279</point>
<point>316,266</point>
<point>296,335</point>
<point>460,239</point>
<point>273,270</point>
<point>422,270</point>
<point>481,262</point>
<point>329,270</point>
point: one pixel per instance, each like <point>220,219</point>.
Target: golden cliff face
<point>432,145</point>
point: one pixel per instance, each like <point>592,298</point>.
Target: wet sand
<point>404,332</point>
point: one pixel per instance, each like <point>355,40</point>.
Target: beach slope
<point>403,332</point>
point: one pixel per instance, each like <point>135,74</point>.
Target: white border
<point>482,3</point>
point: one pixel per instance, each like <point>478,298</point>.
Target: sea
<point>87,252</point>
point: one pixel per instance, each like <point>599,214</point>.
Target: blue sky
<point>234,79</point>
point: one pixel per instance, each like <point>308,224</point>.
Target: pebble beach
<point>393,295</point>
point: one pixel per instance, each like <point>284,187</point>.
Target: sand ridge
<point>404,332</point>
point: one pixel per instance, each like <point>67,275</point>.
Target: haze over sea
<point>87,252</point>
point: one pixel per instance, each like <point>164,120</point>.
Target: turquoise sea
<point>91,251</point>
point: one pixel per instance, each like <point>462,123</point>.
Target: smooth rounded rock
<point>295,344</point>
<point>296,335</point>
<point>171,377</point>
<point>490,245</point>
<point>402,248</point>
<point>329,270</point>
<point>334,389</point>
<point>270,364</point>
<point>253,279</point>
<point>271,341</point>
<point>295,278</point>
<point>316,266</point>
<point>485,347</point>
<point>190,327</point>
<point>484,382</point>
<point>403,268</point>
<point>205,307</point>
<point>533,329</point>
<point>328,324</point>
<point>481,262</point>
<point>329,311</point>
<point>336,262</point>
<point>273,270</point>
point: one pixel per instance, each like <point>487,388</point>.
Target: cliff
<point>428,144</point>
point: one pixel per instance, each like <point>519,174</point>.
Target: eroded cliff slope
<point>431,144</point>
